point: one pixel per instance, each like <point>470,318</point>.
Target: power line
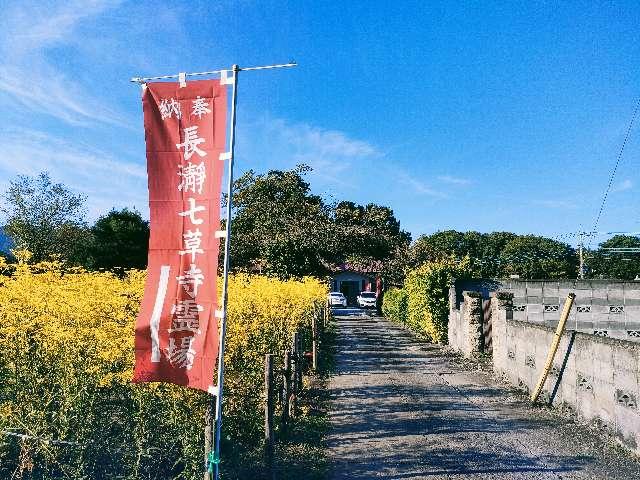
<point>615,169</point>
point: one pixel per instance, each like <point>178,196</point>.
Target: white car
<point>367,300</point>
<point>337,299</point>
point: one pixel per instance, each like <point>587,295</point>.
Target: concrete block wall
<point>596,376</point>
<point>609,308</point>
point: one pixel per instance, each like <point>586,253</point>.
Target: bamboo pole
<point>554,346</point>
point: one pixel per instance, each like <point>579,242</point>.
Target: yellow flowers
<point>66,359</point>
<point>423,302</point>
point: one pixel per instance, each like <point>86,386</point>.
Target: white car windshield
<point>368,295</point>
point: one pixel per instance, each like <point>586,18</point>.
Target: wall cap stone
<point>472,294</point>
<point>502,295</point>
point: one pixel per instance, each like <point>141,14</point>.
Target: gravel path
<point>401,409</point>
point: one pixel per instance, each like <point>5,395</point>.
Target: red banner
<point>176,330</point>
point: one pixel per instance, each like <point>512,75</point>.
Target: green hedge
<point>394,305</point>
<point>426,290</point>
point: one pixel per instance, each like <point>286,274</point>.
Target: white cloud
<point>453,180</point>
<point>32,25</point>
<point>560,204</point>
<point>622,186</point>
<point>30,79</point>
<point>268,143</point>
<point>107,182</point>
<point>347,166</point>
<point>417,185</point>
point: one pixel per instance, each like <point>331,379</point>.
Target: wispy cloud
<point>418,186</point>
<point>268,143</point>
<point>339,161</point>
<point>30,79</point>
<point>453,180</point>
<point>622,186</point>
<point>77,165</point>
<point>47,25</point>
<point>559,204</point>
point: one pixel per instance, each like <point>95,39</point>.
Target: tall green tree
<point>279,227</point>
<point>604,264</point>
<point>449,244</point>
<point>498,254</point>
<point>488,265</point>
<point>367,235</point>
<point>120,239</point>
<point>531,256</point>
<point>46,218</point>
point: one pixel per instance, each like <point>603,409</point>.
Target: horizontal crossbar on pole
<point>213,72</point>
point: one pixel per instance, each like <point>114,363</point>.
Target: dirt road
<point>401,409</point>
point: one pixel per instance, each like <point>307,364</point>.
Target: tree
<point>367,236</point>
<point>279,227</point>
<point>46,218</point>
<point>449,244</point>
<point>531,256</point>
<point>492,246</point>
<point>604,264</point>
<point>498,254</point>
<point>120,240</point>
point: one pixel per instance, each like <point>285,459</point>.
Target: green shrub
<point>427,288</point>
<point>394,305</point>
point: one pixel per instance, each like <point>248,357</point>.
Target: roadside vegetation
<point>66,359</point>
<point>422,304</point>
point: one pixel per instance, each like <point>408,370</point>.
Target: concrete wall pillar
<point>472,321</point>
<point>453,328</point>
<point>501,311</point>
<point>453,304</point>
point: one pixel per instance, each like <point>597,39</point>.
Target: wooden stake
<point>286,391</point>
<point>314,343</point>
<point>268,410</point>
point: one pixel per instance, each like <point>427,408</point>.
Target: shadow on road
<point>403,410</point>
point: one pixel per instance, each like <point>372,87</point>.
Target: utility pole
<point>581,271</point>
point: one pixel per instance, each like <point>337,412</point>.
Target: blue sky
<point>466,115</point>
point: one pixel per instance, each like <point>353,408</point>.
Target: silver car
<point>367,300</point>
<point>337,299</point>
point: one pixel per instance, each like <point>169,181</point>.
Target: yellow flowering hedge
<point>66,360</point>
<point>394,305</point>
<point>425,296</point>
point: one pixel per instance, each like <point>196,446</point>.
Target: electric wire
<point>615,169</point>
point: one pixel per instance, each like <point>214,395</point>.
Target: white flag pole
<point>215,458</point>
